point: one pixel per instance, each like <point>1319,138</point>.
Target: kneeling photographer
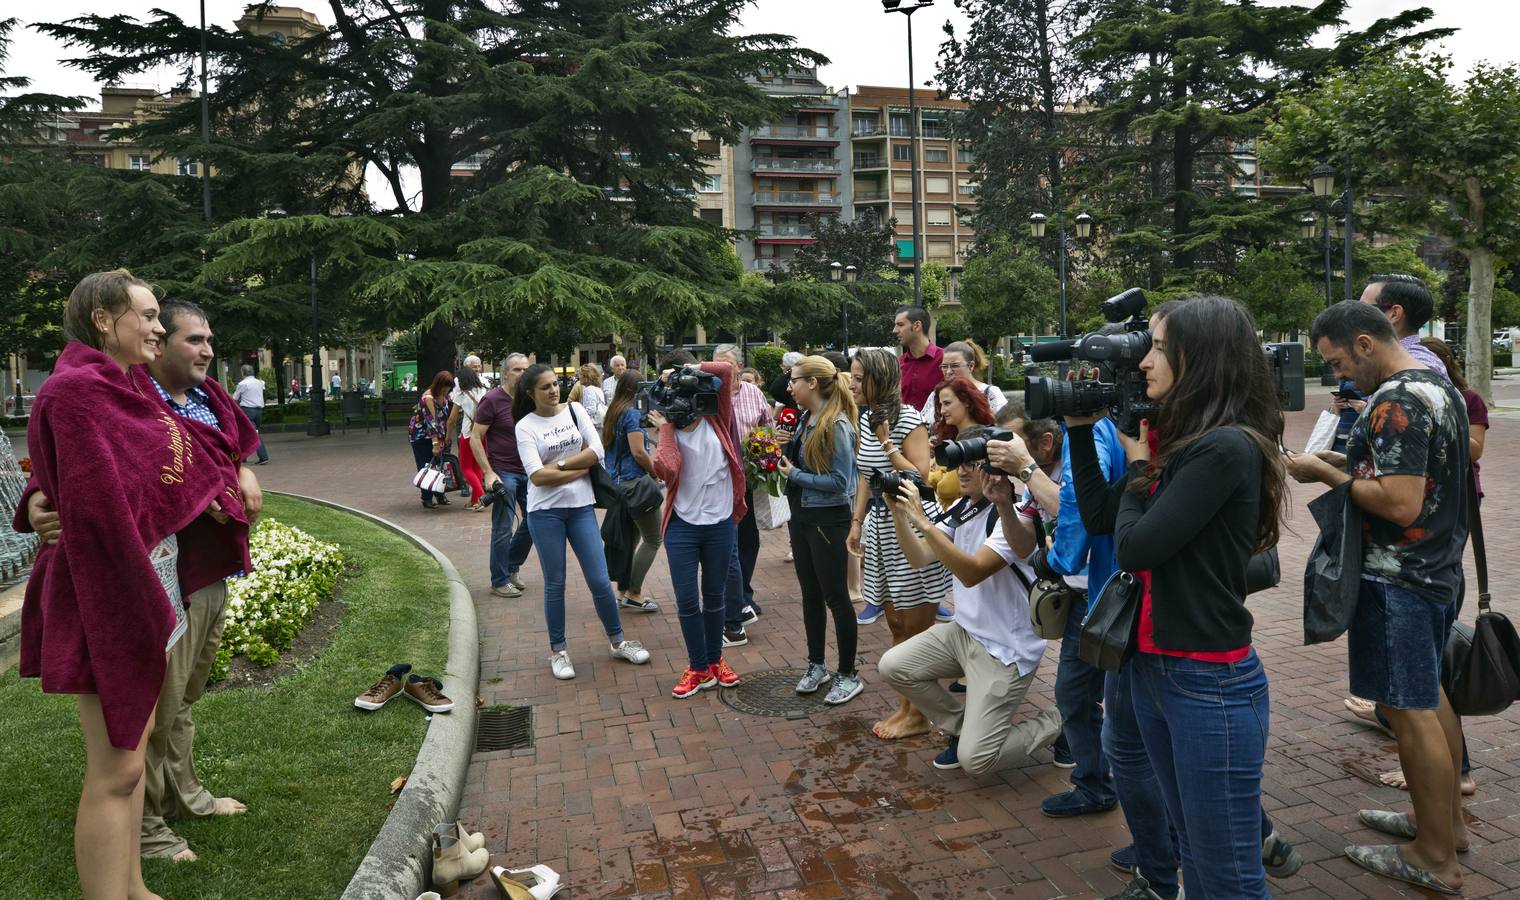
<point>991,642</point>
<point>1186,525</point>
<point>697,457</point>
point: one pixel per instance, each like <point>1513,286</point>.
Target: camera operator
<point>703,473</point>
<point>893,446</point>
<point>1186,527</point>
<point>991,642</point>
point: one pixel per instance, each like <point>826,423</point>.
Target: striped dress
<point>888,577</point>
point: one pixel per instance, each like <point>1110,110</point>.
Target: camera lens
<point>954,454</point>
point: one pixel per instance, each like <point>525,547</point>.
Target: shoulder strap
<point>1475,526</point>
<point>993,521</point>
<point>577,420</point>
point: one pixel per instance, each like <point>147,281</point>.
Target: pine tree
<point>579,218</point>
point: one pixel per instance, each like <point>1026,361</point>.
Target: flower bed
<point>293,572</point>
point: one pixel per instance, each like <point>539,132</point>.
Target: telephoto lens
<point>954,454</point>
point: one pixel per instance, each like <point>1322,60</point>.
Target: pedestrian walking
<point>249,396</point>
<point>428,430</point>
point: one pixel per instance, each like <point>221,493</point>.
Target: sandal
<point>645,604</point>
<point>533,883</point>
<point>1392,823</point>
<point>1366,714</point>
<point>1384,860</point>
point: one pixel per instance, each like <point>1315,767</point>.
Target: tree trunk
<point>1480,314</point>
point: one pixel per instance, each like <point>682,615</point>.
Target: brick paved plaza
<point>630,793</point>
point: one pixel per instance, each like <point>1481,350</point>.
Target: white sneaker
<point>633,651</point>
<point>560,663</point>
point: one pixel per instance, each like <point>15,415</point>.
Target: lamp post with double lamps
<point>1083,222</point>
<point>897,6</point>
<point>838,271</point>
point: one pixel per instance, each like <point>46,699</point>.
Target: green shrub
<point>292,573</point>
<point>766,358</point>
<point>270,379</point>
<point>1503,360</point>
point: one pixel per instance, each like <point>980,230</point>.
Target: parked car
<point>1504,341</point>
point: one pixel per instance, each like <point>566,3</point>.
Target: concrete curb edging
<point>397,863</point>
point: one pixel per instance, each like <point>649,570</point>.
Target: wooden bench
<point>398,404</point>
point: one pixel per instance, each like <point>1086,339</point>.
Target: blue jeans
<point>700,598</point>
<point>1079,690</point>
<point>1139,792</point>
<point>1205,727</point>
<point>551,530</point>
<point>255,415</point>
<point>510,542</point>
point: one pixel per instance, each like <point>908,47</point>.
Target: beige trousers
<point>172,789</point>
<point>989,738</point>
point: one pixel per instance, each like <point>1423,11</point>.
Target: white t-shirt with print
<point>996,611</point>
<point>705,495</point>
<point>541,441</point>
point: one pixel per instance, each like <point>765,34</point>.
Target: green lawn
<point>314,771</point>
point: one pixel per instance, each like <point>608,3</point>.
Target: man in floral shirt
<point>1407,459</point>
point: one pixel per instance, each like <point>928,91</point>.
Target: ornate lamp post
<point>1083,223</point>
<point>839,271</point>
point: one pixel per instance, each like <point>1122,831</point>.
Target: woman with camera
<point>627,459</point>
<point>894,449</point>
<point>558,446</point>
<point>704,500</point>
<point>1198,501</point>
<point>819,465</point>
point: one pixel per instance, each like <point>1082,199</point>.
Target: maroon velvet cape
<point>124,472</point>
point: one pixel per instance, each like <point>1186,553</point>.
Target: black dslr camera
<point>954,454</point>
<point>1117,349</point>
<point>687,394</point>
<point>888,484</point>
<point>496,494</point>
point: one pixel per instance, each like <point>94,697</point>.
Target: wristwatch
<point>1027,472</point>
<point>559,464</point>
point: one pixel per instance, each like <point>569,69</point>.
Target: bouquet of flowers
<point>762,458</point>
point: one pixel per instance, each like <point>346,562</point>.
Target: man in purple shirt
<point>919,359</point>
<point>1405,300</point>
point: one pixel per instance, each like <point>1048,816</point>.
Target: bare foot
<point>228,806</point>
<point>185,855</point>
<point>887,723</point>
<point>142,894</point>
<point>1366,710</point>
<point>1396,779</point>
<point>905,727</point>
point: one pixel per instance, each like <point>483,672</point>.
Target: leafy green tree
<point>1006,289</point>
<point>1278,290</point>
<point>1433,154</point>
<point>576,118</point>
<point>813,306</point>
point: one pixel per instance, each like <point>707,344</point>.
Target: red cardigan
<point>667,456</point>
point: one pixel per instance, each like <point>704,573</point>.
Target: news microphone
<point>1052,351</point>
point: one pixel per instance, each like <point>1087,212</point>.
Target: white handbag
<point>430,478</point>
<point>1323,435</point>
<point>771,512</point>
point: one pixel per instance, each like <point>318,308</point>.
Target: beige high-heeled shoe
<point>472,840</point>
<point>452,863</point>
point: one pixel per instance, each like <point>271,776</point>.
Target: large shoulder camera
<point>686,395</point>
<point>1116,350</point>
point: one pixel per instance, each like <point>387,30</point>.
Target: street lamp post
<point>896,6</point>
<point>1083,222</point>
<point>316,424</point>
<point>849,274</point>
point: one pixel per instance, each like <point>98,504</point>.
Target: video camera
<point>687,394</point>
<point>1117,349</point>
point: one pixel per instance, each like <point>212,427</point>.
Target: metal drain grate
<point>504,728</point>
<point>774,693</point>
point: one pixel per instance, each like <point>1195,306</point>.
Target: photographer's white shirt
<point>996,611</point>
<point>705,495</point>
<point>542,441</point>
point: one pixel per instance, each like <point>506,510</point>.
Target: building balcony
<point>827,133</point>
<point>795,165</point>
<point>795,198</point>
<point>868,131</point>
<point>872,196</point>
<point>869,161</point>
<point>770,264</point>
<point>788,231</point>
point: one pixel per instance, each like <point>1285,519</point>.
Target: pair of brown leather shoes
<point>425,690</point>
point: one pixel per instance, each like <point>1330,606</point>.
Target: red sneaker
<point>693,681</point>
<point>726,676</point>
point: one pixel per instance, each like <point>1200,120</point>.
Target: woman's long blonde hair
<point>834,390</point>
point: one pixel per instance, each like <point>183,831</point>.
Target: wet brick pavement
<point>630,793</point>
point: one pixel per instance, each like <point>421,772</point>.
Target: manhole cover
<point>773,692</point>
<point>504,728</point>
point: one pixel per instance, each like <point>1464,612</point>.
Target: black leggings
<point>818,551</point>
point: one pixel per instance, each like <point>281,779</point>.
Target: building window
<point>713,184</point>
<point>964,155</point>
<point>900,125</point>
<point>936,185</point>
<point>865,125</point>
<point>185,166</point>
<point>712,216</point>
<point>902,152</point>
<point>936,155</point>
<point>709,148</point>
<point>967,186</point>
<point>939,250</point>
<point>937,215</point>
<point>935,128</point>
<point>902,184</point>
<point>137,163</point>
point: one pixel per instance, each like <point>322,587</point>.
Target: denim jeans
<point>1139,792</point>
<point>1205,727</point>
<point>255,415</point>
<point>551,530</point>
<point>510,541</point>
<point>749,549</point>
<point>700,595</point>
<point>1079,692</point>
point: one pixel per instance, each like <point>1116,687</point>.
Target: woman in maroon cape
<point>125,475</point>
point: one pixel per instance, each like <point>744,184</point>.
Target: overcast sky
<point>865,45</point>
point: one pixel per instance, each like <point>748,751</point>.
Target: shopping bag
<point>771,512</point>
<point>1323,435</point>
